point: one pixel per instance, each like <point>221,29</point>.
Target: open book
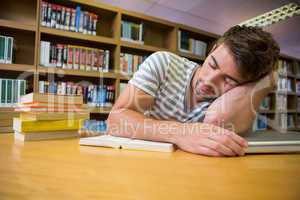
<point>126,143</point>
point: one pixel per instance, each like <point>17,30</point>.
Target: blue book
<point>77,18</point>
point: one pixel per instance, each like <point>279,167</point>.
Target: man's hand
<point>211,140</point>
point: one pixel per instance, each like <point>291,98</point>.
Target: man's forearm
<point>132,124</point>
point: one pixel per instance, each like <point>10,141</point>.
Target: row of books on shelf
<point>187,44</point>
<point>285,67</point>
<point>69,19</point>
<point>130,63</point>
<point>11,90</point>
<point>131,31</point>
<point>6,49</point>
<point>73,57</point>
<point>93,95</point>
<point>284,84</point>
<point>285,121</point>
<point>281,103</point>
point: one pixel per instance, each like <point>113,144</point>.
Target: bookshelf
<point>283,110</point>
<point>21,19</point>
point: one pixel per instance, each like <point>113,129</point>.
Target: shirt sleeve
<point>151,73</point>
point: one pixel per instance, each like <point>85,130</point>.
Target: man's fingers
<point>208,152</point>
<point>229,142</point>
<point>238,139</point>
<point>216,146</point>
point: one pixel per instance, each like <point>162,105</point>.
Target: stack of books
<point>6,49</point>
<point>130,63</point>
<point>69,19</point>
<point>187,44</point>
<point>73,57</point>
<point>132,32</point>
<point>48,116</point>
<point>6,119</point>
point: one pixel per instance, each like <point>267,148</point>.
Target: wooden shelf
<point>283,92</point>
<point>266,111</point>
<point>191,56</point>
<point>80,36</point>
<point>18,67</point>
<point>6,109</point>
<point>73,72</point>
<point>125,77</point>
<point>16,25</point>
<point>102,110</point>
<point>142,47</point>
<point>288,75</point>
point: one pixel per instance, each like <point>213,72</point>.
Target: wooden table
<point>61,169</point>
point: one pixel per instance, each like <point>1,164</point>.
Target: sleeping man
<point>202,109</point>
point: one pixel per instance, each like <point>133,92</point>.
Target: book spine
<point>93,64</point>
<point>2,49</point>
<point>76,58</point>
<point>58,17</point>
<point>88,59</point>
<point>9,56</point>
<point>65,57</point>
<point>4,91</point>
<point>82,58</point>
<point>9,91</point>
<point>49,14</point>
<point>42,87</point>
<point>53,17</point>
<point>67,19</point>
<point>95,21</point>
<point>63,17</point>
<point>70,57</point>
<point>73,19</point>
<point>59,55</point>
<point>106,61</point>
<point>90,24</point>
<point>77,20</point>
<point>44,13</point>
<point>85,22</point>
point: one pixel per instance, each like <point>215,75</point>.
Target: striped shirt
<point>167,77</point>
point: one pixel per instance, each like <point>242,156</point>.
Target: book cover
<point>41,126</point>
<point>43,116</point>
<point>2,49</point>
<point>35,136</point>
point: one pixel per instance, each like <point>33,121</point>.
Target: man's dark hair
<point>254,50</point>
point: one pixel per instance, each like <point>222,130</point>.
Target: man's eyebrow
<point>216,63</point>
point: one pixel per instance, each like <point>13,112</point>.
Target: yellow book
<point>40,126</point>
<point>41,116</point>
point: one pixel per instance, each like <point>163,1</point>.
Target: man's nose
<point>213,77</point>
